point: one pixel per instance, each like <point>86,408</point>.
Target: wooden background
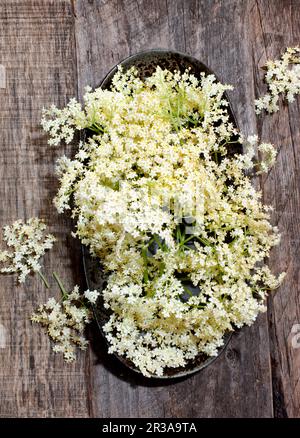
<point>52,49</point>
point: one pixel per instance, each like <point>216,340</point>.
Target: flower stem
<point>45,281</point>
<point>61,286</point>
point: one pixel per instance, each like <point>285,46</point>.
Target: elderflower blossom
<point>66,320</point>
<point>91,295</point>
<point>282,78</point>
<point>29,243</point>
<point>267,151</point>
<point>159,193</point>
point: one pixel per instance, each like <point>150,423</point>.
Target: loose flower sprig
<point>159,197</point>
<point>251,148</point>
<point>65,320</point>
<point>283,79</point>
<point>28,243</point>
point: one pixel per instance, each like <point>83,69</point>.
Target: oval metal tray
<point>146,62</point>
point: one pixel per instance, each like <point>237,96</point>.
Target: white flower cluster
<point>66,320</point>
<point>61,124</point>
<point>159,196</point>
<point>29,243</point>
<point>267,151</point>
<point>282,78</point>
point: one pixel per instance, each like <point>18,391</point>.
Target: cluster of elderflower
<point>282,78</point>
<point>61,124</point>
<point>65,320</point>
<point>251,148</point>
<point>159,192</point>
<point>28,242</point>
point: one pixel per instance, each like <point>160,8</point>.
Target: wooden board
<point>37,47</point>
<point>50,51</point>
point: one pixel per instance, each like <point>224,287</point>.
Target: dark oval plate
<point>146,62</point>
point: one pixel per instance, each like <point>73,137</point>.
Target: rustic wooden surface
<point>52,49</point>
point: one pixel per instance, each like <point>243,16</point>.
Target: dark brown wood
<point>51,50</point>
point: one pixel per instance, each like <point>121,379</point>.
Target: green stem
<point>194,122</point>
<point>205,242</point>
<point>189,238</point>
<point>96,128</point>
<point>229,142</point>
<point>144,254</point>
<point>146,276</point>
<point>156,238</point>
<point>45,281</point>
<point>187,291</point>
<point>61,286</point>
<point>200,306</point>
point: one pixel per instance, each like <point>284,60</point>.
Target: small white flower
<point>29,243</point>
<point>91,295</point>
<point>65,322</point>
<point>282,78</point>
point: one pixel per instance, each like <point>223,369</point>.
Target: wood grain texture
<point>37,48</point>
<point>51,50</point>
<point>281,189</point>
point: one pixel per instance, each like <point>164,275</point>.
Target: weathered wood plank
<point>37,49</point>
<point>275,27</point>
<point>239,383</point>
